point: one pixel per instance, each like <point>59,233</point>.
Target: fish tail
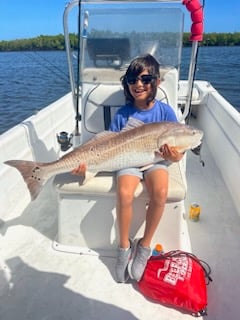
<point>32,174</point>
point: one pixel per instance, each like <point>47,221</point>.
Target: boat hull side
<point>33,139</point>
<point>221,125</point>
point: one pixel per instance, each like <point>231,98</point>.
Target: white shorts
<point>140,174</point>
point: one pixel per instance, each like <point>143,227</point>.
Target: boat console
<point>111,35</point>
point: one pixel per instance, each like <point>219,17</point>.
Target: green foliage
<point>57,42</point>
<point>40,43</point>
<point>216,39</point>
<point>221,39</point>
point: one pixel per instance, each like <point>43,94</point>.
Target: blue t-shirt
<point>158,113</point>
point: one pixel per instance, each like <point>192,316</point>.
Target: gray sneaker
<point>123,257</point>
<point>138,261</point>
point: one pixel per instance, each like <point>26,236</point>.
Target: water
<point>29,81</point>
<point>221,67</point>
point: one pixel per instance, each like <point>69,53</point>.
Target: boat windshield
<point>112,34</point>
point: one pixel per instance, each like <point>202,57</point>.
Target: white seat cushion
<point>104,184</point>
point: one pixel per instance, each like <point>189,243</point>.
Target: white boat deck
<point>37,282</point>
<point>215,238</point>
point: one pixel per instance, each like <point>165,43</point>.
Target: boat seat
<point>87,212</point>
<point>101,101</point>
<point>104,184</point>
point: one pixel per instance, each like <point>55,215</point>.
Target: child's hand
<point>80,170</point>
<point>170,153</point>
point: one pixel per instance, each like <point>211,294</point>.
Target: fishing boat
<point>58,252</point>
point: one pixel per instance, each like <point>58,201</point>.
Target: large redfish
<point>137,145</point>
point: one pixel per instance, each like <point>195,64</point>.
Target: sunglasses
<point>145,79</point>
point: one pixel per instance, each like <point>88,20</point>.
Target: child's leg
<point>157,185</point>
<point>126,186</point>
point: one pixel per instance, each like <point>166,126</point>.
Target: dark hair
<point>137,66</point>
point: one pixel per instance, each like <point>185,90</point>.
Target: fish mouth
<point>197,150</point>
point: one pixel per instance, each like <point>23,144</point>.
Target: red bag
<point>177,279</point>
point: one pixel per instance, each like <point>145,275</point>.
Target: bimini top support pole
<point>196,10</point>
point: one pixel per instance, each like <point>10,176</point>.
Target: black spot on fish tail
<point>31,173</point>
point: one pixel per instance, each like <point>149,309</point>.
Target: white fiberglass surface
<point>38,282</point>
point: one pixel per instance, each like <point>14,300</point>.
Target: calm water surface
<point>29,81</point>
<point>221,67</point>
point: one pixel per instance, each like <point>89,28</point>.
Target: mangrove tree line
<point>46,42</point>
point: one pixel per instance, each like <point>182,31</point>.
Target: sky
<point>30,18</point>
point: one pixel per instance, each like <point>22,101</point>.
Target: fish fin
<point>132,123</point>
<point>104,134</point>
<point>88,175</point>
<point>100,136</point>
<point>179,148</point>
<point>31,173</point>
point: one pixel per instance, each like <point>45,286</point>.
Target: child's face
<point>140,88</point>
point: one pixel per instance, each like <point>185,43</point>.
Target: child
<point>140,85</point>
